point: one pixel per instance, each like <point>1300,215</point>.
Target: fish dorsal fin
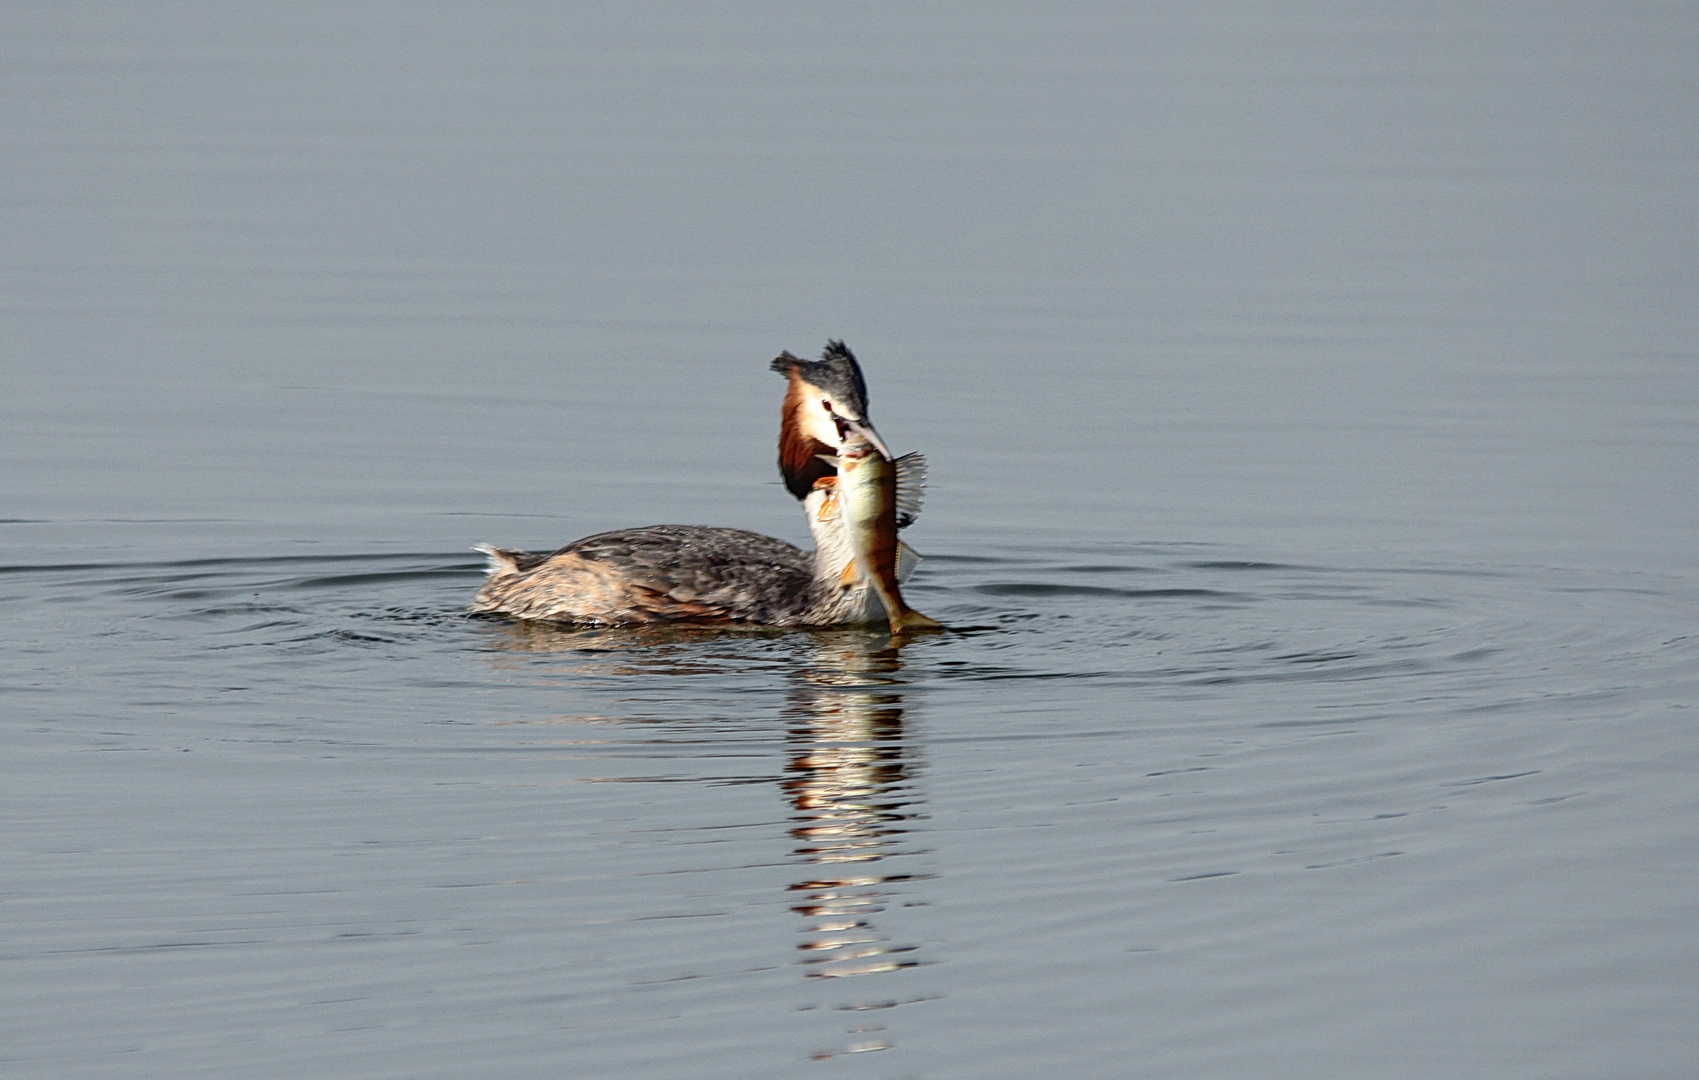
<point>911,487</point>
<point>907,560</point>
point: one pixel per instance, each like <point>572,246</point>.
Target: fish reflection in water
<point>851,782</point>
<point>850,778</point>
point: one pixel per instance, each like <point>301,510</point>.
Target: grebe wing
<point>698,548</point>
<point>661,573</point>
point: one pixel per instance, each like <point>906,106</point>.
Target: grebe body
<point>699,574</point>
<point>693,574</point>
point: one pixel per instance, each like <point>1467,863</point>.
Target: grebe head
<point>825,404</point>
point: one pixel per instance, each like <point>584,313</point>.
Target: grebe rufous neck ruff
<point>704,575</point>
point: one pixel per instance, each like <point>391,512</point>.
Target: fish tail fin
<point>909,620</point>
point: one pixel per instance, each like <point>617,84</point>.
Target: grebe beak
<point>865,430</point>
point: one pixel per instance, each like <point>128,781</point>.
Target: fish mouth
<point>860,427</point>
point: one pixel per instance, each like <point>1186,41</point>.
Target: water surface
<point>1311,409</point>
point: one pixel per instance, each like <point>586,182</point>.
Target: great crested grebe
<point>700,574</point>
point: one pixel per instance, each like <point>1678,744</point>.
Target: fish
<point>872,506</point>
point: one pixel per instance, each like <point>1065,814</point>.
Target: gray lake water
<point>1313,412</point>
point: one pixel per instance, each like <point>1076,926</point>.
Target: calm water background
<point>1314,426</point>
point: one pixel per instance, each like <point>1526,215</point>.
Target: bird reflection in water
<point>850,781</point>
<point>850,778</point>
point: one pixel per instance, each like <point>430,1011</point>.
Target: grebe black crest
<point>836,374</point>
